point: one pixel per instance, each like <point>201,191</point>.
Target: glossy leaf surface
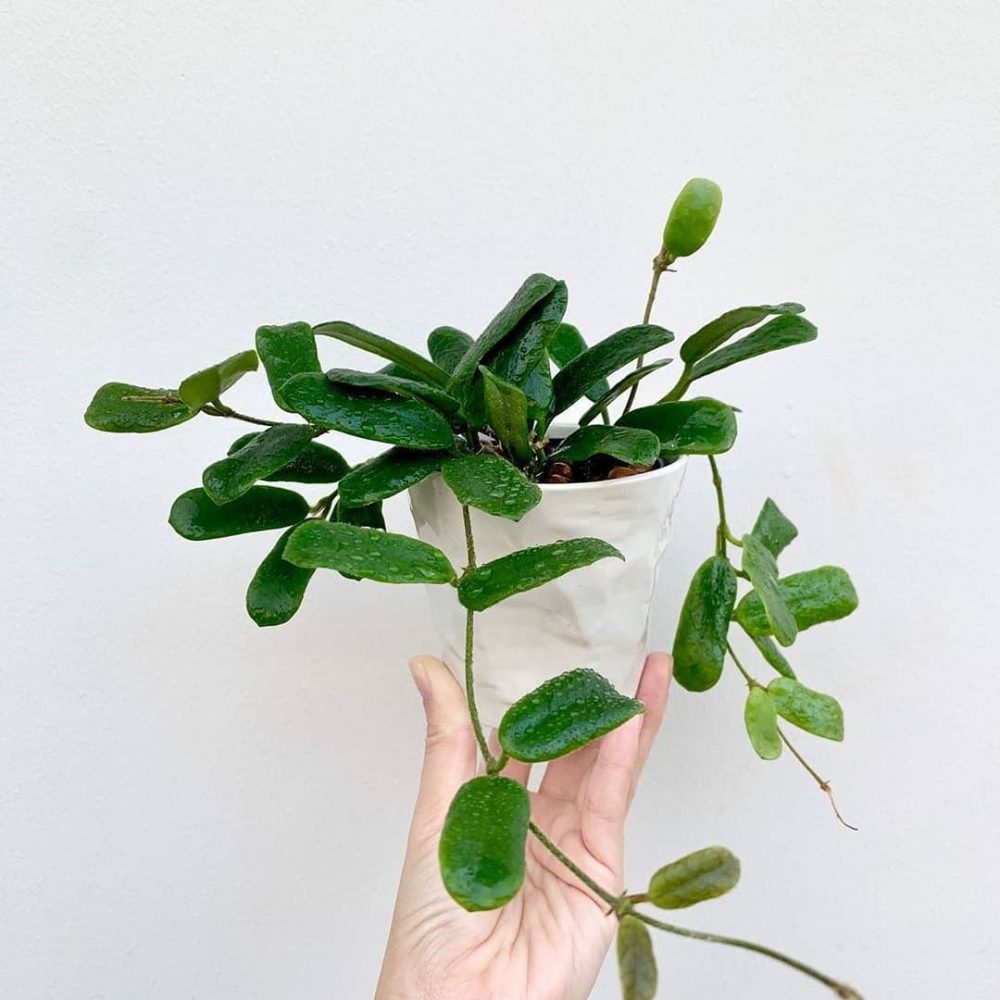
<point>286,351</point>
<point>636,961</point>
<point>524,361</point>
<point>819,595</point>
<point>386,475</point>
<point>773,529</point>
<point>491,484</point>
<point>197,517</point>
<point>716,333</point>
<point>816,713</point>
<point>620,388</point>
<point>700,426</point>
<point>316,463</point>
<point>507,414</point>
<point>628,444</point>
<point>761,720</point>
<point>210,383</point>
<point>779,333</point>
<point>692,217</point>
<point>277,588</point>
<point>699,876</point>
<point>481,851</point>
<point>395,385</point>
<point>567,343</point>
<point>447,346</point>
<point>423,368</point>
<point>122,408</point>
<point>700,642</point>
<point>562,715</point>
<point>529,568</point>
<point>369,516</point>
<point>759,565</point>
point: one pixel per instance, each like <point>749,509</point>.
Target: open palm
<point>548,942</point>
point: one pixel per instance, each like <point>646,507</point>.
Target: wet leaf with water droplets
<point>491,484</point>
<point>701,875</point>
<point>636,961</point>
<point>197,517</point>
<point>122,408</point>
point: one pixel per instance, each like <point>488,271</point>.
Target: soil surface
<point>593,470</point>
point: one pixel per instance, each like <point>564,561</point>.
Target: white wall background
<point>190,807</point>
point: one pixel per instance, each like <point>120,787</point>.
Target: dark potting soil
<point>594,469</point>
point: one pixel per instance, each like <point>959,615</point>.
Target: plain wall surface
<point>193,807</point>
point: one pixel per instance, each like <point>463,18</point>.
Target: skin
<point>549,942</point>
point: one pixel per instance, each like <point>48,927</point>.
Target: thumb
<point>450,749</point>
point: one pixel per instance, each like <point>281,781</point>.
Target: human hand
<point>549,941</point>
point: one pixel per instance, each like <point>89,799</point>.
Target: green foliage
<point>567,343</point>
<point>277,588</point>
<point>492,485</point>
<point>562,715</point>
<point>286,351</point>
<point>627,444</point>
<point>695,878</point>
<point>481,850</point>
<point>418,366</point>
<point>692,217</point>
<point>507,414</point>
<point>715,334</point>
<point>774,656</point>
<point>810,710</point>
<point>781,332</point>
<point>700,642</point>
<point>622,386</point>
<point>395,385</point>
<point>636,961</point>
<point>132,409</point>
<point>819,595</point>
<point>690,427</point>
<point>760,566</point>
<point>207,385</point>
<point>316,463</point>
<point>386,475</point>
<point>761,720</point>
<point>529,568</point>
<point>773,529</point>
<point>198,518</point>
<point>447,346</point>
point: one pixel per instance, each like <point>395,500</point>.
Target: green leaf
<point>197,517</point>
<point>507,414</point>
<point>132,409</point>
<point>414,363</point>
<point>369,516</point>
<point>636,961</point>
<point>491,484</point>
<point>532,292</point>
<point>396,386</point>
<point>529,568</point>
<point>692,217</point>
<point>700,642</point>
<point>716,333</point>
<point>277,588</point>
<point>367,553</point>
<point>773,655</point>
<point>810,710</point>
<point>699,876</point>
<point>562,715</point>
<point>780,332</point>
<point>699,426</point>
<point>265,454</point>
<point>447,346</point>
<point>316,463</point>
<point>603,359</point>
<point>481,851</point>
<point>210,383</point>
<point>386,475</point>
<point>819,595</point>
<point>567,343</point>
<point>774,530</point>
<point>627,444</point>
<point>286,351</point>
<point>761,720</point>
<point>620,388</point>
<point>524,361</point>
<point>760,566</point>
<point>373,415</point>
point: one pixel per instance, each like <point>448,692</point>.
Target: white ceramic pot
<point>594,617</point>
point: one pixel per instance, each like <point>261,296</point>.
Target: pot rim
<point>675,466</point>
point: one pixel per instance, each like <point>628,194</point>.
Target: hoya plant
<point>480,413</point>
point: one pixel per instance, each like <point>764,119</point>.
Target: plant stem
<point>681,387</point>
<point>722,532</point>
<point>841,989</point>
<point>660,264</point>
<point>751,682</point>
<point>615,902</point>
<point>218,410</point>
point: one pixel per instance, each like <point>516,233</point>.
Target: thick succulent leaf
<point>692,217</point>
<point>780,332</point>
<point>277,588</point>
<point>701,875</point>
<point>773,528</point>
<point>636,961</point>
<point>491,484</point>
<point>197,517</point>
<point>416,364</point>
<point>627,444</point>
<point>316,463</point>
<point>395,385</point>
<point>562,715</point>
<point>132,409</point>
<point>700,642</point>
<point>369,516</point>
<point>264,454</point>
<point>774,656</point>
<point>447,346</point>
<point>367,553</point>
<point>567,343</point>
<point>603,359</point>
<point>210,383</point>
<point>286,351</point>
<point>761,720</point>
<point>716,333</point>
<point>386,475</point>
<point>481,851</point>
<point>760,566</point>
<point>523,361</point>
<point>376,416</point>
<point>816,713</point>
<point>529,568</point>
<point>700,426</point>
<point>819,595</point>
<point>622,386</point>
<point>507,414</point>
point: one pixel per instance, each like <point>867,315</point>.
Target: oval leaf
<point>316,463</point>
<point>122,408</point>
<point>286,351</point>
<point>705,874</point>
<point>761,720</point>
<point>373,415</point>
<point>367,553</point>
<point>620,388</point>
<point>628,444</point>
<point>716,333</point>
<point>567,343</point>
<point>700,643</point>
<point>780,332</point>
<point>277,588</point>
<point>491,484</point>
<point>507,414</point>
<point>197,517</point>
<point>810,710</point>
<point>529,568</point>
<point>386,475</point>
<point>562,715</point>
<point>447,346</point>
<point>481,851</point>
<point>636,961</point>
<point>395,385</point>
<point>760,567</point>
<point>700,426</point>
<point>774,529</point>
<point>819,595</point>
<point>210,383</point>
<point>414,363</point>
<point>773,655</point>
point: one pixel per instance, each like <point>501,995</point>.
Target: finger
<point>450,748</point>
<point>564,777</point>
<point>654,685</point>
<point>605,801</point>
<point>515,769</point>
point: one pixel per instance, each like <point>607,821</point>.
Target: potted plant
<point>539,539</point>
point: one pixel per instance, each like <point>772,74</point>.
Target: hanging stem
<point>722,532</point>
<point>615,902</point>
<point>661,262</point>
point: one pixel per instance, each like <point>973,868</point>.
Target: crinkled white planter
<point>597,616</point>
